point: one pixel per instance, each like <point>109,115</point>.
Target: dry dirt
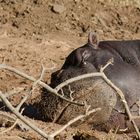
<point>44,32</point>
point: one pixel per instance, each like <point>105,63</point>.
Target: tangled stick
<point>96,74</point>
<point>35,128</point>
<point>53,91</point>
<point>8,104</point>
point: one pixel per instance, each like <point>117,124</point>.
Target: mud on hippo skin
<point>92,90</point>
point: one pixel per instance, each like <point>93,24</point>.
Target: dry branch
<point>121,95</point>
<point>31,125</point>
<point>32,89</point>
<point>6,67</point>
<point>10,128</point>
<point>35,128</point>
<point>22,102</point>
<point>74,120</point>
<point>77,78</point>
<point>15,123</point>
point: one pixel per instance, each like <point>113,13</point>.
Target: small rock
<point>58,8</point>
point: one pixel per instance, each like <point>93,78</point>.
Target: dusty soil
<point>44,32</point>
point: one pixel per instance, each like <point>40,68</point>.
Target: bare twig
<point>31,125</point>
<point>22,102</point>
<point>32,88</point>
<point>135,117</point>
<point>57,117</point>
<point>138,104</point>
<point>110,62</point>
<point>87,106</point>
<point>71,93</point>
<point>15,123</point>
<point>6,67</point>
<point>120,93</point>
<point>7,116</point>
<point>42,72</point>
<point>62,92</point>
<point>36,129</point>
<point>6,137</point>
<point>10,128</point>
<point>80,77</point>
<point>74,120</point>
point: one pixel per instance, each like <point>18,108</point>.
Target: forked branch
<point>53,91</point>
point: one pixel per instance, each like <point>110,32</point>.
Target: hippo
<point>124,73</point>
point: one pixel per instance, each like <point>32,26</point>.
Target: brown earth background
<point>35,32</point>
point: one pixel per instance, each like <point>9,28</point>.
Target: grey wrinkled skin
<point>92,90</point>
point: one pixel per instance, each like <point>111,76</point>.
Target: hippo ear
<point>93,40</point>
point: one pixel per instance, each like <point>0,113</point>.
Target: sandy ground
<point>44,32</point>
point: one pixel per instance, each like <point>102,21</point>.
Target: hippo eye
<point>130,60</point>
